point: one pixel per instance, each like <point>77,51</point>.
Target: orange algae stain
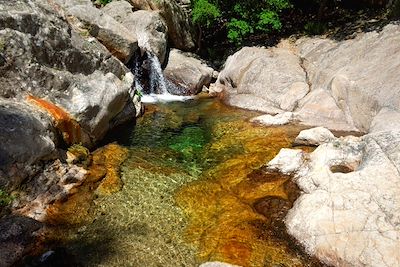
<point>70,129</point>
<point>102,178</point>
<point>114,156</point>
<point>224,223</point>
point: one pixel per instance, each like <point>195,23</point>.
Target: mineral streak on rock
<point>68,127</point>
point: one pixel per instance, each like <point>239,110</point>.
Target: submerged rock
<point>186,73</point>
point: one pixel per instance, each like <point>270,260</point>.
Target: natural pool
<point>194,190</point>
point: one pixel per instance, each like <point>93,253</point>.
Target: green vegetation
<point>102,2</point>
<point>5,198</point>
<point>240,17</point>
<point>315,28</point>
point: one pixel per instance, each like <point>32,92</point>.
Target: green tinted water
<point>191,187</point>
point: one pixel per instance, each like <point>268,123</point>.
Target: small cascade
<point>150,80</point>
<point>157,79</point>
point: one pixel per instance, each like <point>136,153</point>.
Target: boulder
<point>186,73</point>
<point>348,213</point>
<point>267,79</point>
<point>314,137</point>
<point>359,74</point>
<point>74,74</point>
<point>148,26</point>
<point>57,85</point>
<point>121,42</point>
<point>17,238</point>
<point>339,85</point>
<point>180,28</point>
<point>26,137</point>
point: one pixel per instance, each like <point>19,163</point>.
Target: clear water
<point>194,191</point>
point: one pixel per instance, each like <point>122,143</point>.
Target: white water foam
<point>155,98</point>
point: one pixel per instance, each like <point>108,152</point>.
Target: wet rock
<point>279,119</point>
<point>181,32</point>
<point>17,236</point>
<point>348,213</point>
<point>314,137</point>
<point>148,26</point>
<point>54,183</point>
<point>187,73</point>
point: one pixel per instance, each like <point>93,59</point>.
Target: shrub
<point>240,17</point>
<point>204,12</point>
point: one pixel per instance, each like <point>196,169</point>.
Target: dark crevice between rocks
<point>275,209</point>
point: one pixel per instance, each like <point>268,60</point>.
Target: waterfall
<point>156,75</point>
<point>150,80</point>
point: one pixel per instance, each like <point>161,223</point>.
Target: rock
<point>272,78</point>
<point>187,73</point>
<point>17,238</point>
<point>279,119</point>
<point>320,108</point>
<point>217,264</point>
<point>74,75</point>
<point>348,212</point>
<point>121,42</point>
<point>148,26</point>
<point>180,28</point>
<point>288,161</point>
<point>53,184</point>
<point>338,85</point>
<point>26,137</point>
<point>314,137</point>
<point>359,74</point>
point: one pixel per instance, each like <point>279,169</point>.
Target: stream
<point>194,190</point>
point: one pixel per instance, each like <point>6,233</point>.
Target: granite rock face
<point>149,27</point>
<point>180,29</point>
<point>268,80</point>
<point>348,213</point>
<point>58,83</point>
<point>338,85</point>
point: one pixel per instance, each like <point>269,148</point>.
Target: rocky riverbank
<point>348,213</point>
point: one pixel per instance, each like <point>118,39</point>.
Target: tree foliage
<point>240,17</point>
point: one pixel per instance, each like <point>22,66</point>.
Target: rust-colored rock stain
<point>69,128</point>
